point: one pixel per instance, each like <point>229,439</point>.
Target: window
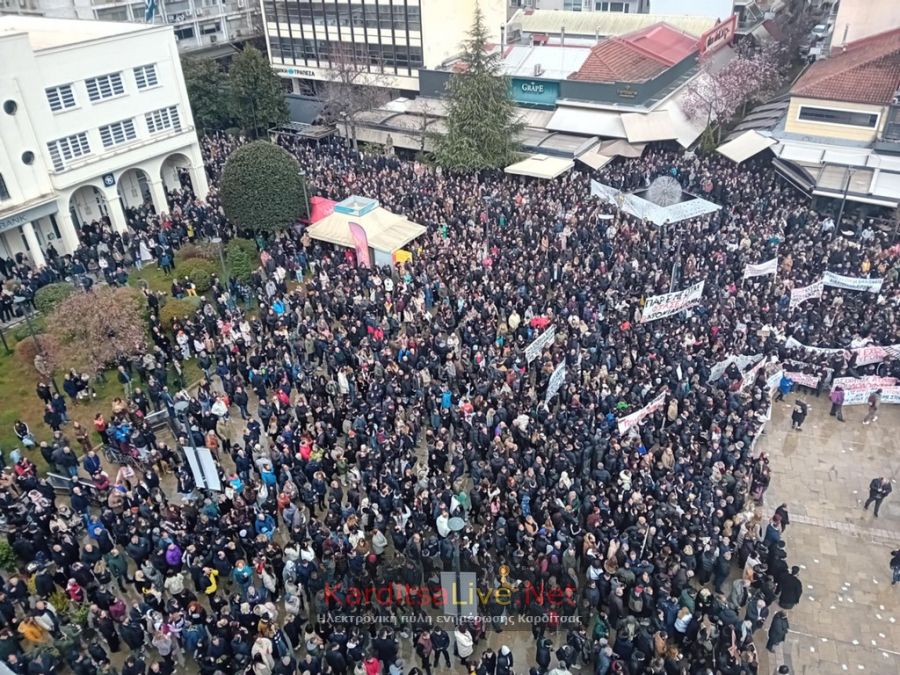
<point>830,116</point>
<point>60,97</point>
<point>601,6</point>
<point>105,86</point>
<point>4,193</point>
<point>145,76</point>
<point>117,133</point>
<point>162,119</point>
<point>185,33</point>
<point>66,149</point>
<point>617,7</point>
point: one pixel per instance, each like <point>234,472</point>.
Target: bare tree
<point>355,86</point>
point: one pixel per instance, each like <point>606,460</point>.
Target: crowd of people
<point>375,428</point>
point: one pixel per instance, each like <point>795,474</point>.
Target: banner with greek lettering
<point>811,381</point>
<point>742,362</point>
<point>872,382</point>
<point>556,381</point>
<point>661,306</point>
<point>801,295</point>
<point>861,396</point>
<point>537,345</point>
<point>852,283</point>
<point>761,270</point>
<point>875,354</point>
<point>635,418</point>
<point>774,380</point>
<point>750,375</point>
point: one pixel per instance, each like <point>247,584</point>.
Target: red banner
<point>361,243</point>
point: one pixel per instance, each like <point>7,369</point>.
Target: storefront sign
<point>718,36</point>
<point>301,72</point>
<point>627,92</point>
<point>109,180</point>
<point>27,216</point>
<point>537,92</point>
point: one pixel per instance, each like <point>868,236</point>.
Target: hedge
<point>49,296</point>
<point>200,271</point>
<point>177,308</point>
<point>203,251</point>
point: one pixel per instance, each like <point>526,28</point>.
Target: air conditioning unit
<point>213,39</point>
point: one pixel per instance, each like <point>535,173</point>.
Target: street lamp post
<point>220,245</point>
<point>850,172</point>
<point>456,525</point>
<point>302,175</point>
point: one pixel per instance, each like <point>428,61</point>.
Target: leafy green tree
<point>481,118</point>
<point>256,94</point>
<point>261,188</point>
<point>209,91</point>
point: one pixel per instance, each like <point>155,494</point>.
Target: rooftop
<point>605,23</point>
<point>554,62</point>
<point>636,57</point>
<point>46,33</point>
<point>865,71</point>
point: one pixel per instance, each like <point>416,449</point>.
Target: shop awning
<point>587,122</point>
<point>745,146</point>
<point>645,128</point>
<point>386,231</point>
<point>594,157</point>
<point>623,149</point>
<point>795,175</point>
<point>541,166</point>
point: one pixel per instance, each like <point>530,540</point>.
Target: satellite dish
<point>456,523</point>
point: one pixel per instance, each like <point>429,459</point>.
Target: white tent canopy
<point>745,146</point>
<point>541,166</point>
<point>594,157</point>
<point>647,210</point>
<point>386,231</point>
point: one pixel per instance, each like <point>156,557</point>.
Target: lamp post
<point>850,172</point>
<point>456,525</point>
<point>220,245</point>
<point>302,175</point>
<point>26,312</point>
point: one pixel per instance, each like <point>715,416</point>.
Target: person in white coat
<point>465,645</point>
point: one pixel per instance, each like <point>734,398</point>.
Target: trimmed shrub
<point>202,251</point>
<point>261,188</point>
<point>200,271</point>
<point>177,308</point>
<point>49,296</point>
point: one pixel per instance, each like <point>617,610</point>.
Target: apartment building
<point>200,25</point>
<point>94,118</point>
<point>384,41</point>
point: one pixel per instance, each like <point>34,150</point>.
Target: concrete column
<point>158,191</point>
<point>116,213</point>
<point>68,232</point>
<point>198,180</point>
<point>34,248</point>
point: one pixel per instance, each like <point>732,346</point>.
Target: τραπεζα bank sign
<point>534,91</point>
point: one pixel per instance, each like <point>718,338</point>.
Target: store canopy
<point>623,149</point>
<point>594,157</point>
<point>587,122</point>
<point>386,231</point>
<point>541,166</point>
<point>645,128</point>
<point>320,208</point>
<point>745,146</point>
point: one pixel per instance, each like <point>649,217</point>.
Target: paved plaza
<point>849,617</point>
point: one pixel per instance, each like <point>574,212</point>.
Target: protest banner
<point>861,396</point>
<point>801,295</point>
<point>761,270</point>
<point>556,381</point>
<point>872,382</point>
<point>803,379</point>
<point>661,306</point>
<point>537,345</point>
<point>774,379</point>
<point>635,418</point>
<point>742,362</point>
<point>852,283</point>
<point>791,343</point>
<point>750,375</point>
<point>874,354</point>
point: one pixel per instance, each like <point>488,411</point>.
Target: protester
<point>879,488</point>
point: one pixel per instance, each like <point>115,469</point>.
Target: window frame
<point>127,133</point>
<point>98,78</point>
<point>56,89</point>
<point>58,158</point>
<point>143,71</point>
<point>803,107</point>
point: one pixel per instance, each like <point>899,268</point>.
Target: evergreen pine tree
<point>481,116</point>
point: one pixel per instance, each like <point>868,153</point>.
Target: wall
<point>862,18</point>
<point>718,9</point>
<point>445,24</point>
<point>850,133</point>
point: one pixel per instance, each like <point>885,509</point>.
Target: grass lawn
<point>18,380</point>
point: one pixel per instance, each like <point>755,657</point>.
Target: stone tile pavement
<point>849,617</point>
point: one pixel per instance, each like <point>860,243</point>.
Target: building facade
<point>385,42</point>
<point>200,25</point>
<point>84,136</point>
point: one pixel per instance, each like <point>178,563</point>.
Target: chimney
<point>844,40</point>
<point>502,36</point>
<point>597,34</point>
<point>562,36</point>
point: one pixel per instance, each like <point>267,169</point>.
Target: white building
<point>387,40</point>
<point>94,117</point>
<point>200,25</point>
